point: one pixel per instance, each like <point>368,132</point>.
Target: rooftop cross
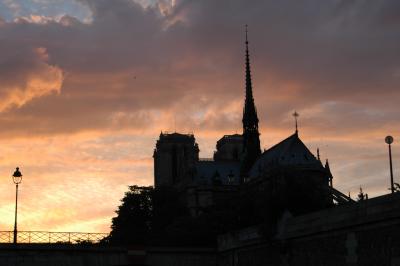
<point>296,115</point>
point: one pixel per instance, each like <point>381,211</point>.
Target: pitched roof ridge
<point>280,143</point>
<point>305,146</point>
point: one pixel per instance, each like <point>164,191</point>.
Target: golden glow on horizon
<point>74,183</point>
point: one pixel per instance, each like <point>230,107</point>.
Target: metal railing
<point>51,237</point>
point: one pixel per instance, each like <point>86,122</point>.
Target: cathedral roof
<point>231,138</point>
<point>208,172</point>
<point>290,151</point>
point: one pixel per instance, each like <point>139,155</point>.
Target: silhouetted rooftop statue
<point>361,195</point>
<point>329,173</point>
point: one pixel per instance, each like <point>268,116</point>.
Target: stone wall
<point>181,256</point>
<point>60,255</point>
<point>365,233</point>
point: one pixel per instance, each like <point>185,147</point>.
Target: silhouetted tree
<point>146,215</point>
<point>160,217</point>
<point>168,206</point>
<point>132,224</point>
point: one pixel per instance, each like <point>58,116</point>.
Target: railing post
<point>49,237</point>
<point>69,237</point>
<point>29,237</point>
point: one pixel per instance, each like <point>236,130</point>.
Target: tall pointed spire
<point>250,118</point>
<point>251,136</point>
<point>249,87</point>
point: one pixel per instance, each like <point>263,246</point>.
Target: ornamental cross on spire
<point>296,115</point>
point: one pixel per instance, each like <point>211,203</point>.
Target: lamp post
<point>17,178</point>
<point>389,141</point>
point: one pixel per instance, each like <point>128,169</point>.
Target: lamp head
<point>389,140</point>
<point>17,176</point>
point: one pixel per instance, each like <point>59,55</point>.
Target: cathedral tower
<point>175,157</point>
<point>251,136</point>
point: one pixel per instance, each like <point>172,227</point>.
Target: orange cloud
<point>43,79</point>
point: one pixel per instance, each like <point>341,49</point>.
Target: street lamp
<point>17,178</point>
<point>389,141</point>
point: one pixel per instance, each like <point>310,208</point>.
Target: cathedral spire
<point>251,136</point>
<point>249,87</point>
<point>250,118</point>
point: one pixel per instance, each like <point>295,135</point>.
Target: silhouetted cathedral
<point>290,173</point>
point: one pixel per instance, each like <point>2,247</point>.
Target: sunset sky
<point>86,86</point>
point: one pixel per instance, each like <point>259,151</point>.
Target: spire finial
<point>247,42</point>
<point>319,159</point>
<point>249,109</point>
<point>296,115</point>
<point>249,89</point>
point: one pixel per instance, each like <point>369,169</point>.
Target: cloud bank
<point>85,93</point>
